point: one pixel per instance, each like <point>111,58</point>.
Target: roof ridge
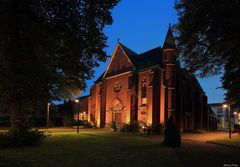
<point>158,47</point>
<point>128,49</point>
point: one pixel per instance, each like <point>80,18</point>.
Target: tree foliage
<point>209,39</point>
<point>48,48</point>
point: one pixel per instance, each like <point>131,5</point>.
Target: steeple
<point>169,42</point>
<point>170,74</point>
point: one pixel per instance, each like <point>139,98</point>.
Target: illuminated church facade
<point>150,87</point>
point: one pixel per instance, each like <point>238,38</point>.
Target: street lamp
<point>229,117</point>
<point>77,101</point>
<point>238,118</point>
<point>48,107</point>
<point>235,114</point>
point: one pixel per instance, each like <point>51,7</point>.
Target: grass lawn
<point>91,148</point>
<point>233,142</point>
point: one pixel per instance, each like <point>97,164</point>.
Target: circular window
<point>117,87</point>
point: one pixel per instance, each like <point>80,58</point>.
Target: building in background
<point>34,112</point>
<point>223,116</point>
<point>71,109</point>
<point>221,113</point>
<point>81,108</point>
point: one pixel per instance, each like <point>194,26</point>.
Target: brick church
<point>149,87</point>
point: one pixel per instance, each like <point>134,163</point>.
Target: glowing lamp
<point>225,105</point>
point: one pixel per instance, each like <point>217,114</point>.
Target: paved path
<point>196,152</point>
<point>202,154</point>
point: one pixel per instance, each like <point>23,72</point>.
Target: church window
<point>117,87</point>
<point>144,92</point>
<point>117,106</point>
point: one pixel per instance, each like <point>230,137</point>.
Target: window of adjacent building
<point>144,92</point>
<point>82,116</point>
<point>219,109</point>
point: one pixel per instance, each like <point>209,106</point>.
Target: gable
<point>119,63</point>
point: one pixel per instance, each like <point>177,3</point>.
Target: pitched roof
<point>130,53</point>
<point>144,60</point>
<point>149,58</point>
<point>140,61</point>
<point>190,78</point>
<point>169,42</point>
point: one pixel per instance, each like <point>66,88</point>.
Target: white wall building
<point>223,115</point>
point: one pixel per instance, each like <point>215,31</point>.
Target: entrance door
<point>118,119</point>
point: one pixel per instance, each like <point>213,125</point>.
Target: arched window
<point>117,106</point>
<point>144,92</point>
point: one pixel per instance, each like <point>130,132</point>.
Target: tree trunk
<point>16,114</point>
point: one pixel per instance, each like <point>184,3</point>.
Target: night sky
<point>142,25</point>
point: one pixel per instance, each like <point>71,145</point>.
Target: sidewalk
<point>196,152</point>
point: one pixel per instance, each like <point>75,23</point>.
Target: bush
<point>56,121</point>
<point>85,123</point>
<point>40,121</point>
<point>144,128</point>
<point>23,136</point>
<point>172,136</point>
<point>113,126</point>
<point>123,128</point>
<point>5,120</point>
<point>157,129</point>
<point>134,127</point>
<point>68,122</point>
<point>89,124</point>
<point>140,127</point>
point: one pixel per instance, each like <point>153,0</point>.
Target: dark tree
<point>209,40</point>
<point>48,48</point>
<point>172,135</point>
<point>231,82</point>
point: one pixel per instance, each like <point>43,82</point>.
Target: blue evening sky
<point>142,25</point>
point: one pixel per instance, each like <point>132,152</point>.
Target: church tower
<point>169,50</point>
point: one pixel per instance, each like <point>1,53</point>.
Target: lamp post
<point>238,118</point>
<point>234,121</point>
<point>77,102</point>
<point>48,107</point>
<point>229,118</point>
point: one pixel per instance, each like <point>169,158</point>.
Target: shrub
<point>123,128</point>
<point>90,124</point>
<point>133,127</point>
<point>56,121</point>
<point>113,126</point>
<point>86,124</point>
<point>144,128</point>
<point>157,129</point>
<point>172,136</point>
<point>23,136</point>
<point>40,121</point>
<point>94,124</point>
<point>5,120</point>
<point>83,123</point>
<point>68,122</point>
